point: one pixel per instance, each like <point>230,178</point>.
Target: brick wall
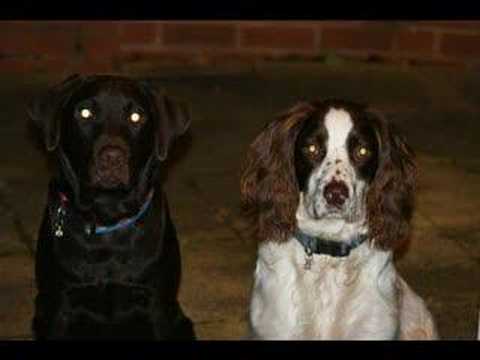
<point>104,46</point>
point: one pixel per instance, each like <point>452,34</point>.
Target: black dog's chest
<point>101,268</point>
<point>89,257</point>
<point>117,284</point>
<point>103,261</point>
<point>102,307</point>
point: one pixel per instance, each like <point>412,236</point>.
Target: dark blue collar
<point>317,245</point>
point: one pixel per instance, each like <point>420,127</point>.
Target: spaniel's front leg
<point>416,321</point>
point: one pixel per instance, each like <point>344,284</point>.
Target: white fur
<point>360,296</point>
<point>352,298</point>
<point>334,229</point>
<point>338,123</point>
<point>336,225</point>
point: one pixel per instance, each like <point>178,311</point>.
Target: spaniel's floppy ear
<point>42,110</point>
<point>174,118</point>
<point>390,200</point>
<point>268,184</point>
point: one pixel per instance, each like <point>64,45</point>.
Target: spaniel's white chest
<point>338,298</point>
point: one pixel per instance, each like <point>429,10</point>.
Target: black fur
<point>123,284</point>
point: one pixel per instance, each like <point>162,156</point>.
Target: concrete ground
<point>437,109</point>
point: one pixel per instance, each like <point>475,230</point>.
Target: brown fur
<point>268,185</point>
<point>390,200</point>
<point>270,192</point>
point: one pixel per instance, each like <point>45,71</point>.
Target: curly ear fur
<point>42,111</point>
<point>268,185</point>
<point>390,200</point>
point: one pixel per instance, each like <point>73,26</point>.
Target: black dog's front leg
<point>169,270</point>
<point>45,301</point>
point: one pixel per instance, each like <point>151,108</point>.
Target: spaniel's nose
<point>336,192</point>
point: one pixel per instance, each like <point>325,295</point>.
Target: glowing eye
<point>312,149</point>
<point>363,151</point>
<point>135,117</point>
<point>86,113</point>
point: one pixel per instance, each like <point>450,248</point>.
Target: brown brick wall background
<point>103,46</point>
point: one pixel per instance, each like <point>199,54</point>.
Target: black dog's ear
<point>42,110</point>
<point>174,118</point>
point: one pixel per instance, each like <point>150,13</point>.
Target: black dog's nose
<point>112,156</point>
<point>336,192</point>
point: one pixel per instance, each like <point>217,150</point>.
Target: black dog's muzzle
<point>110,164</point>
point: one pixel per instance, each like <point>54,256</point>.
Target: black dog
<point>108,261</point>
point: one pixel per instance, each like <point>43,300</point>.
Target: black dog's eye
<point>135,117</point>
<point>85,113</point>
<point>85,110</point>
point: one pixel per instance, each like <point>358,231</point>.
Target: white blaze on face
<point>314,214</point>
<point>338,124</point>
<point>336,164</point>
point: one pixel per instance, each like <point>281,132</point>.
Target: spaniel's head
<point>331,168</point>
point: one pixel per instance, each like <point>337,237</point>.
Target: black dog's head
<point>108,131</point>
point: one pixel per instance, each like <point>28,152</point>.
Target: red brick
<point>235,57</point>
<point>343,23</point>
<point>435,62</point>
<point>358,38</point>
<point>41,39</point>
<point>152,57</point>
<point>450,25</point>
<point>57,44</point>
<point>16,65</point>
<point>30,65</point>
<point>138,32</point>
<point>95,66</point>
<point>278,36</point>
<point>62,26</point>
<point>100,39</point>
<point>419,42</point>
<point>221,35</point>
<point>17,26</point>
<point>50,43</point>
<point>460,45</point>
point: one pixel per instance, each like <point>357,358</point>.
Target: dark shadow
<point>176,154</point>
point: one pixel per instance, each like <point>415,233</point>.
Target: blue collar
<point>317,245</point>
<point>101,230</point>
<point>60,212</point>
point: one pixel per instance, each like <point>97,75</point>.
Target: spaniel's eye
<point>86,113</point>
<point>312,150</point>
<point>362,152</point>
<point>135,117</point>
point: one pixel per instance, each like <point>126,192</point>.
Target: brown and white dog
<point>330,189</point>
